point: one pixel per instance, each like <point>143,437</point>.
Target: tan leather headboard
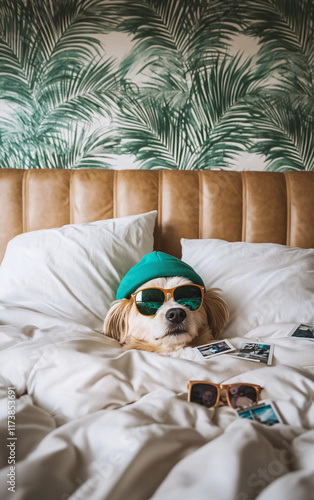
<point>234,206</point>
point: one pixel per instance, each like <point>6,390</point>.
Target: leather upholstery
<point>235,206</point>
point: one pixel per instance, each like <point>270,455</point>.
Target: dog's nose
<point>176,315</point>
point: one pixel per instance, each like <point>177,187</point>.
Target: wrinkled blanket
<point>94,421</point>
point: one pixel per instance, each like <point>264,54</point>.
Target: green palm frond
<point>17,38</point>
<point>70,34</point>
<point>153,133</point>
<point>211,128</point>
<point>216,92</point>
<point>285,135</point>
<point>285,29</point>
<point>62,104</point>
<point>14,85</point>
<point>175,37</point>
<point>83,148</point>
<point>36,32</point>
<point>20,141</point>
<point>73,148</point>
<point>53,73</point>
<point>36,36</point>
<point>79,93</point>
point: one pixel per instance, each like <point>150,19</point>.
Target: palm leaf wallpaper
<point>157,84</point>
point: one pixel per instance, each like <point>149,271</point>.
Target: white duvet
<point>95,422</point>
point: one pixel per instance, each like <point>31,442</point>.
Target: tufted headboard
<point>234,206</point>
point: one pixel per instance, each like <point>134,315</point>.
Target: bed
<point>83,418</point>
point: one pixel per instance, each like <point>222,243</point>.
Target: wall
<point>176,84</point>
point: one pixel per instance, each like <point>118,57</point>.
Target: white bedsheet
<point>96,422</point>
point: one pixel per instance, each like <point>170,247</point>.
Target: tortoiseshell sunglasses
<point>238,395</point>
<point>149,300</point>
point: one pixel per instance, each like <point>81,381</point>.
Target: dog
<point>174,325</point>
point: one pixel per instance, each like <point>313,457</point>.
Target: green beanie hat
<point>155,265</point>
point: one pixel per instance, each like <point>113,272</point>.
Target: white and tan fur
<point>155,333</point>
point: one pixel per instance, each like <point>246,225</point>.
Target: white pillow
<point>74,271</point>
<point>260,282</point>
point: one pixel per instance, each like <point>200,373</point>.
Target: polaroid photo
<point>214,349</point>
<point>256,351</point>
<point>264,413</point>
<point>303,331</point>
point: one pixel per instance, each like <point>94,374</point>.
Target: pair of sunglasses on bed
<point>149,300</point>
<point>237,395</point>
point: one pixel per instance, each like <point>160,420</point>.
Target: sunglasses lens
<point>242,396</point>
<point>189,296</point>
<point>148,301</point>
<point>204,394</point>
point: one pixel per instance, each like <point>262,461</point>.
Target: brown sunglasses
<point>149,300</point>
<point>237,395</point>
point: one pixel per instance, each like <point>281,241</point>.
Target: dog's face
<point>172,327</point>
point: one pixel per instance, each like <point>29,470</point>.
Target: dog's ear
<point>116,320</point>
<point>216,310</point>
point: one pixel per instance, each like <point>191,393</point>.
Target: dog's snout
<point>176,315</point>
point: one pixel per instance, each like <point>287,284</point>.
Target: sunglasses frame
<point>165,292</point>
<point>224,387</point>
